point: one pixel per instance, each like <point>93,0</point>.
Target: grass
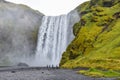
<point>97,41</point>
<point>100,73</point>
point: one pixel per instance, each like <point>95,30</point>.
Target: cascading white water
<point>55,34</point>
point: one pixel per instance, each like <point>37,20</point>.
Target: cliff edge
<point>19,26</point>
<point>97,37</point>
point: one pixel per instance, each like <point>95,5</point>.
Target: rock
<point>23,64</point>
<point>19,26</point>
<point>117,15</point>
<point>12,71</point>
<point>107,3</point>
<point>2,0</point>
<point>104,3</point>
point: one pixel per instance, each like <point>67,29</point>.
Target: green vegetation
<point>97,41</point>
<point>99,73</point>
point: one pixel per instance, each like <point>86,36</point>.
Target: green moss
<point>35,35</point>
<point>99,73</point>
<point>76,28</point>
<point>84,7</point>
<point>97,41</point>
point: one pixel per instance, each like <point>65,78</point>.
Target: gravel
<point>35,73</point>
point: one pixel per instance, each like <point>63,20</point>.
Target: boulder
<point>23,65</point>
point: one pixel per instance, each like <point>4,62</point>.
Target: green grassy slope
<point>97,41</point>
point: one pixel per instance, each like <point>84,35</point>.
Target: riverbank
<point>36,73</point>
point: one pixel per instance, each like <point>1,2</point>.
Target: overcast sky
<point>51,7</point>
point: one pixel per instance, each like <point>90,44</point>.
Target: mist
<point>18,33</point>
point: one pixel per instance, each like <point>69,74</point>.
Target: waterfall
<point>55,33</point>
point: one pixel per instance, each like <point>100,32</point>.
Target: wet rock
<point>117,15</point>
<point>107,3</point>
<point>12,71</point>
<point>104,3</point>
<point>23,64</point>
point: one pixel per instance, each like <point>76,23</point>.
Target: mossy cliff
<point>97,37</point>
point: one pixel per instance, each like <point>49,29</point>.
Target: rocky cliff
<point>18,31</point>
<point>97,37</point>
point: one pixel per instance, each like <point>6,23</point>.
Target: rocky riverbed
<point>36,73</point>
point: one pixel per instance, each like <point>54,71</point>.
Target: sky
<point>51,7</point>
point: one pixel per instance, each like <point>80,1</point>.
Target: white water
<point>55,34</point>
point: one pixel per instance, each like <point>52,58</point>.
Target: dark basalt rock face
<point>117,15</point>
<point>107,3</point>
<point>2,0</point>
<point>104,3</point>
<point>23,65</point>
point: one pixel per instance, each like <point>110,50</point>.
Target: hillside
<point>18,32</point>
<point>97,37</point>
